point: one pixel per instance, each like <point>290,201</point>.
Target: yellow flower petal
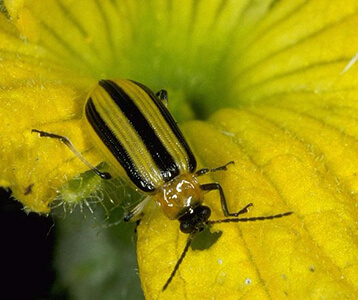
<point>64,29</point>
<point>38,165</point>
<point>312,252</point>
<point>37,94</point>
<point>304,49</point>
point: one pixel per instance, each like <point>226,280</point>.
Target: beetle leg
<point>207,170</point>
<point>68,143</point>
<point>163,96</point>
<point>136,212</point>
<point>217,186</point>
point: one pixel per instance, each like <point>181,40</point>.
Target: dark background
<point>26,252</point>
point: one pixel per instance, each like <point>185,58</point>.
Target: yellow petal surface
<point>65,30</point>
<point>37,94</point>
<point>38,165</point>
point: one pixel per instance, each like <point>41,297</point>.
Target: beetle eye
<point>186,227</point>
<point>205,212</point>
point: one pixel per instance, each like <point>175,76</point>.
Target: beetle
<point>140,139</point>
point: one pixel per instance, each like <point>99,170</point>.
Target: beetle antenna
<point>236,220</point>
<point>180,260</point>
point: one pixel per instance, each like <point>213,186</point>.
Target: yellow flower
<point>275,85</point>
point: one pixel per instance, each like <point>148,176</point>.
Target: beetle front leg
<point>207,170</point>
<point>217,186</point>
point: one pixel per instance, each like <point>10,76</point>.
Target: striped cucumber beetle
<point>142,142</point>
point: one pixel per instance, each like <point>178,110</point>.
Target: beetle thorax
<point>179,196</point>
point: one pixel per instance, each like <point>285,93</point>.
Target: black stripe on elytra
<point>161,157</point>
<point>116,148</point>
<point>172,124</point>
